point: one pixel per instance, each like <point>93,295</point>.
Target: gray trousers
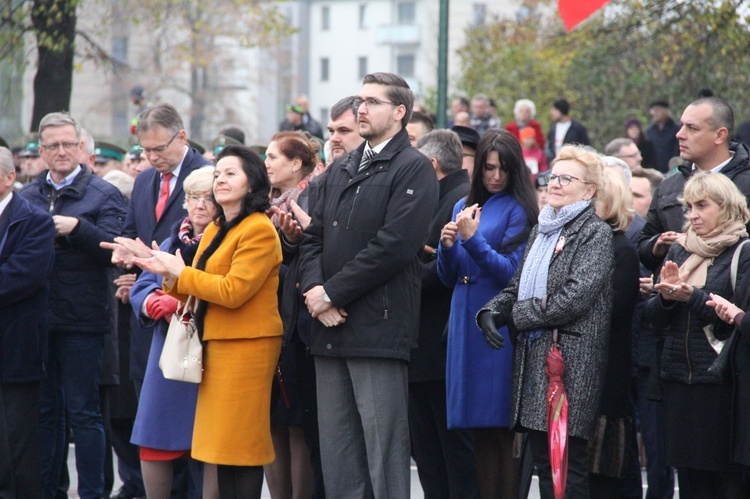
<point>364,427</point>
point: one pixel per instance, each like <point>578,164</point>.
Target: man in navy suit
<point>156,209</point>
<point>163,140</point>
<point>27,252</point>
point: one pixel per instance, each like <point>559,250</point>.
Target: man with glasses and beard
<point>361,280</point>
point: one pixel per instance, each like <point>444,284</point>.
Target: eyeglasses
<point>207,201</point>
<point>68,146</point>
<point>372,102</point>
<point>563,180</point>
<point>159,149</point>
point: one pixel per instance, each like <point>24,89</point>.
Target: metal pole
<point>442,90</point>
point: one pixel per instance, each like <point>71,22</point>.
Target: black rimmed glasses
<point>159,149</point>
<point>371,102</point>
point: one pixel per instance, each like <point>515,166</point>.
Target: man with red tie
<point>156,211</point>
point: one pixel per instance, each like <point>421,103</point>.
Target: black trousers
<point>445,458</point>
<point>578,466</point>
<point>704,484</point>
<point>20,472</point>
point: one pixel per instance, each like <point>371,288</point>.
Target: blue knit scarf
<point>533,282</point>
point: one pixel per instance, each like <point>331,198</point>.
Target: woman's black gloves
<point>487,320</point>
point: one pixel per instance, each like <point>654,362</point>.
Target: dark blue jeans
<point>72,385</point>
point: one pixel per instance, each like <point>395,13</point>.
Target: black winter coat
<point>26,256</point>
<point>617,383</point>
<point>740,355</point>
<point>428,359</point>
<point>687,354</point>
<point>79,289</point>
<point>363,245</point>
<point>666,212</point>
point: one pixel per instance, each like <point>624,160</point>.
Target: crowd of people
<point>461,297</point>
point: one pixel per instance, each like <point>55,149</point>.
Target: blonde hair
<point>722,191</point>
<point>592,164</point>
<point>199,181</point>
<point>616,201</point>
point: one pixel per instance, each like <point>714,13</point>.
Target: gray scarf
<point>533,283</point>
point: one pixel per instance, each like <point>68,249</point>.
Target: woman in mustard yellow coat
<point>235,277</point>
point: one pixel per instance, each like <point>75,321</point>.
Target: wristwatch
<point>326,298</point>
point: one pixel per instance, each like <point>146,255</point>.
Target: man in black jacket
<point>662,133</point>
<point>361,280</point>
<point>445,458</point>
<point>704,144</point>
<point>86,211</point>
<point>564,130</point>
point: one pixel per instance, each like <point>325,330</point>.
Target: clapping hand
<point>673,286</point>
<point>725,309</point>
<point>124,249</point>
<point>160,262</point>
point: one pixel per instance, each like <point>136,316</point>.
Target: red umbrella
<point>557,417</point>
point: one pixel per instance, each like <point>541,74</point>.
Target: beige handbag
<point>182,356</point>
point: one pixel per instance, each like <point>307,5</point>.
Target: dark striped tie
<point>366,158</point>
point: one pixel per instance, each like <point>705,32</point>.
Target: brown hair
<point>295,145</point>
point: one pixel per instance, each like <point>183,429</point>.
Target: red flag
<point>574,12</point>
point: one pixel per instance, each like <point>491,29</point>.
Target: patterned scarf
<point>284,200</point>
<point>187,241</point>
<point>533,283</point>
<point>703,249</point>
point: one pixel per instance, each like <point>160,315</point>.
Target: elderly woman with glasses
<point>479,252</point>
<point>563,286</point>
<point>698,403</point>
<point>163,426</point>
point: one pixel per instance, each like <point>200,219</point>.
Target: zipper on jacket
<point>385,302</point>
<point>687,351</point>
<point>52,199</point>
<point>354,202</point>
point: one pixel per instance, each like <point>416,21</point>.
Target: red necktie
<point>163,194</point>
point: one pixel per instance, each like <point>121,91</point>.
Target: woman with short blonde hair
<point>698,402</point>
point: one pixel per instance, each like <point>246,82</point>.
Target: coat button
<point>329,346</point>
<point>335,223</point>
<point>465,280</point>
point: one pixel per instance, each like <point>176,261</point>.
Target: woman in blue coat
<point>163,426</point>
<point>479,252</point>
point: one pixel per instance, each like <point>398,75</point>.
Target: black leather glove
<point>487,320</point>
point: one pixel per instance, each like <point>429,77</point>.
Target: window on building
<point>324,63</point>
<point>120,49</point>
<point>362,67</point>
<point>405,65</point>
<point>363,16</point>
<point>479,14</point>
<point>325,18</point>
<point>406,13</point>
<point>324,116</point>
